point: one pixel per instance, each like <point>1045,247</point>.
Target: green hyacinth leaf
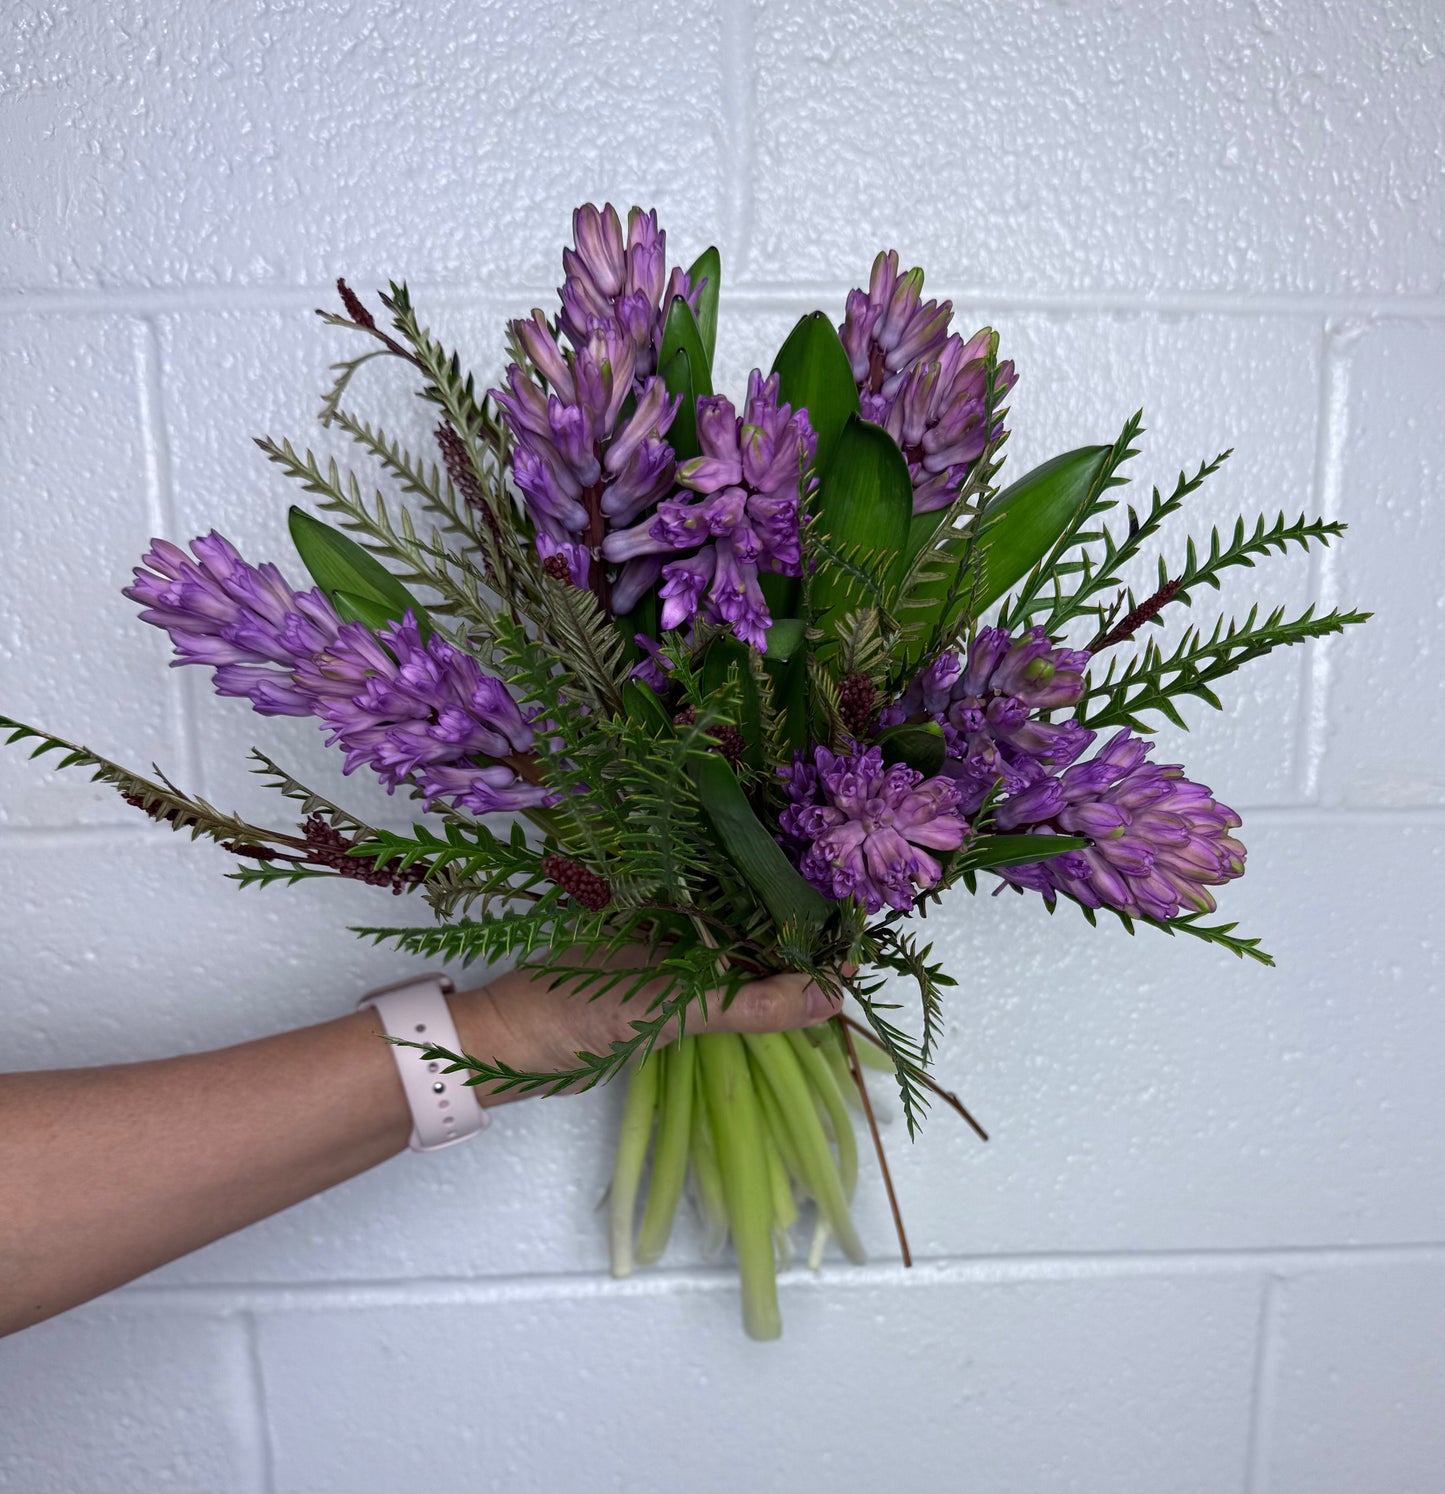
<point>864,511</point>
<point>1019,850</point>
<point>340,567</point>
<point>724,654</point>
<point>366,610</point>
<point>921,746</point>
<point>814,375</point>
<point>1023,522</point>
<point>785,637</point>
<point>682,433</point>
<point>705,277</point>
<point>787,897</point>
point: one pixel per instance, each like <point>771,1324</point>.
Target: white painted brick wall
<point>1206,1249</point>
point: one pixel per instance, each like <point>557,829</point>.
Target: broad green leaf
<point>339,566</point>
<point>680,334</point>
<point>863,510</point>
<point>366,610</point>
<point>921,746</point>
<point>1018,850</point>
<point>706,272</point>
<point>814,375</point>
<point>682,433</point>
<point>643,707</point>
<point>787,897</point>
<point>790,697</point>
<point>785,637</point>
<point>1023,522</point>
<point>783,594</point>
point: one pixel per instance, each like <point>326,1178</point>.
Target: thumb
<point>773,1004</point>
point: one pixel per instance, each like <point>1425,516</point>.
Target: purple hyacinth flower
<point>890,328</point>
<point>1158,841</point>
<point>586,470</point>
<point>654,667</point>
<point>860,829</point>
<point>750,482</point>
<point>991,706</point>
<point>925,386</point>
<point>615,282</point>
<point>417,713</point>
<point>245,622</point>
<point>422,714</point>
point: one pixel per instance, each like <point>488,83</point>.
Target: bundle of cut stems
<point>757,1124</point>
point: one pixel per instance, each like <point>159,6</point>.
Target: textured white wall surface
<point>1205,1249</point>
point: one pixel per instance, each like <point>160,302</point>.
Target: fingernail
<point>819,1004</point>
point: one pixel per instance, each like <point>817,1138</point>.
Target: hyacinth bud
<point>927,387</point>
<point>1158,841</point>
<point>245,622</point>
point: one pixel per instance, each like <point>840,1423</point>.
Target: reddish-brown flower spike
<point>730,743</point>
<point>1135,620</point>
<point>458,464</point>
<point>354,309</point>
<point>327,846</point>
<point>574,879</point>
<point>557,568</point>
<point>153,810</point>
<point>856,698</point>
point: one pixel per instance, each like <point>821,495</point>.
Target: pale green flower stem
<point>754,1122</point>
<point>669,1158</point>
<point>631,1157</point>
<point>737,1129</point>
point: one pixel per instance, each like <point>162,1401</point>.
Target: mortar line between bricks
<point>162,513</point>
<point>1005,1270</point>
<point>52,837</point>
<point>738,62</point>
<point>1312,726</point>
<point>760,295</point>
<point>1261,1409</point>
<point>263,1449</point>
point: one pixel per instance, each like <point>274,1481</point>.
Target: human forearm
<point>106,1174</point>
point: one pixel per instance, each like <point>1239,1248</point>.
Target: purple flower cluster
<point>421,713</point>
<point>584,466</point>
<point>418,713</point>
<point>991,705</point>
<point>749,481</point>
<point>615,282</point>
<point>1158,840</point>
<point>926,386</point>
<point>242,620</point>
<point>858,828</point>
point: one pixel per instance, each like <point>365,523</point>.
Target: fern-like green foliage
<point>1152,681</point>
<point>161,800</point>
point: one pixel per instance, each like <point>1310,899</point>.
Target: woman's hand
<point>517,1019</point>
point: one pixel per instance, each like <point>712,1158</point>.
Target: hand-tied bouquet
<point>765,682</point>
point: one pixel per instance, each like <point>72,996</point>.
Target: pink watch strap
<point>444,1110</point>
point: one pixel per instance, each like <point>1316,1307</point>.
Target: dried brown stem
<point>857,1069</point>
<point>947,1095</point>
